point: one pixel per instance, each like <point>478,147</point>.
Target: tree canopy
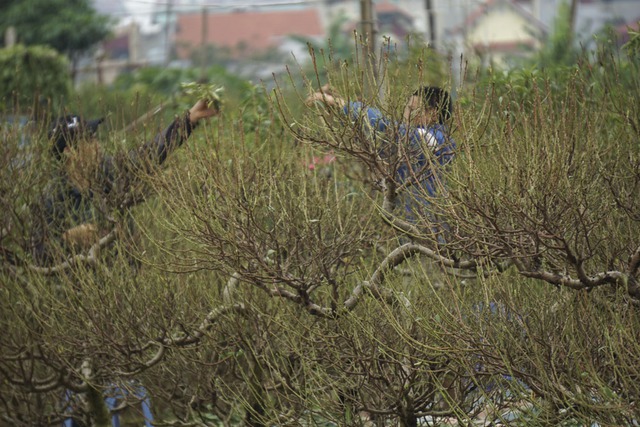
<point>23,82</point>
<point>69,26</point>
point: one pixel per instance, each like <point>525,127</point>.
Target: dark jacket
<point>64,206</point>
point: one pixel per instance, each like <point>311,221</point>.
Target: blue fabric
<point>111,401</point>
<point>427,146</point>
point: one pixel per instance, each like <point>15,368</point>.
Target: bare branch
<point>564,280</point>
<point>89,258</point>
<point>35,385</point>
<point>197,335</point>
<point>634,263</point>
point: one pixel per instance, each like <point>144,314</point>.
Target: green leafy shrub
<point>32,74</point>
<point>632,47</point>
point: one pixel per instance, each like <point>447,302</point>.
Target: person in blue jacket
<point>423,134</point>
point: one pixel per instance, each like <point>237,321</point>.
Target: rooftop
<point>252,31</point>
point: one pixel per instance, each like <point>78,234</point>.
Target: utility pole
<point>167,31</point>
<point>10,36</point>
<point>366,16</point>
<point>203,45</point>
<point>134,44</point>
<point>431,22</point>
<point>572,18</point>
<point>369,48</point>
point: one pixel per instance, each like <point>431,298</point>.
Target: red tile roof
<point>254,31</point>
<point>387,7</point>
<point>622,31</point>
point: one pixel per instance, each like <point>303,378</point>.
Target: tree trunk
<point>572,19</point>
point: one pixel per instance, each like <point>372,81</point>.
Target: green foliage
<point>632,47</point>
<point>558,49</point>
<point>29,75</point>
<point>414,65</point>
<point>168,81</point>
<point>257,113</point>
<point>243,100</point>
<point>337,50</point>
<point>122,106</point>
<point>69,26</point>
<point>162,80</point>
<point>339,45</point>
<point>211,92</point>
<point>238,58</point>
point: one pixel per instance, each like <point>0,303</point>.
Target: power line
<point>228,5</point>
<point>182,7</point>
<point>198,7</point>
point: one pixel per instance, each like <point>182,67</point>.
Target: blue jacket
<point>427,147</point>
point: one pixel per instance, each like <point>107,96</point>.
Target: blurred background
<point>256,38</point>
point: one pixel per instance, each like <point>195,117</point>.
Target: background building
<point>168,32</point>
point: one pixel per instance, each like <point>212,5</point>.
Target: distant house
<point>118,46</point>
<point>622,31</point>
<point>109,7</point>
<point>246,33</point>
<point>393,21</point>
<point>499,29</point>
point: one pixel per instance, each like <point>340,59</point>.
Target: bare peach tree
<point>307,215</point>
<point>277,280</point>
<point>80,323</point>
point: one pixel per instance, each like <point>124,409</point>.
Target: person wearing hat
<point>74,203</point>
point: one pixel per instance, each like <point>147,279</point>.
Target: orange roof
<point>254,31</point>
<point>386,7</point>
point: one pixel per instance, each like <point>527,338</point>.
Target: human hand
<point>81,236</point>
<point>203,109</point>
<point>326,95</point>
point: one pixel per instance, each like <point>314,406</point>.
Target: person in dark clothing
<point>87,190</point>
<point>89,185</point>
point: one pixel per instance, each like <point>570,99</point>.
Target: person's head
<point>68,132</point>
<point>427,105</point>
<point>77,149</point>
